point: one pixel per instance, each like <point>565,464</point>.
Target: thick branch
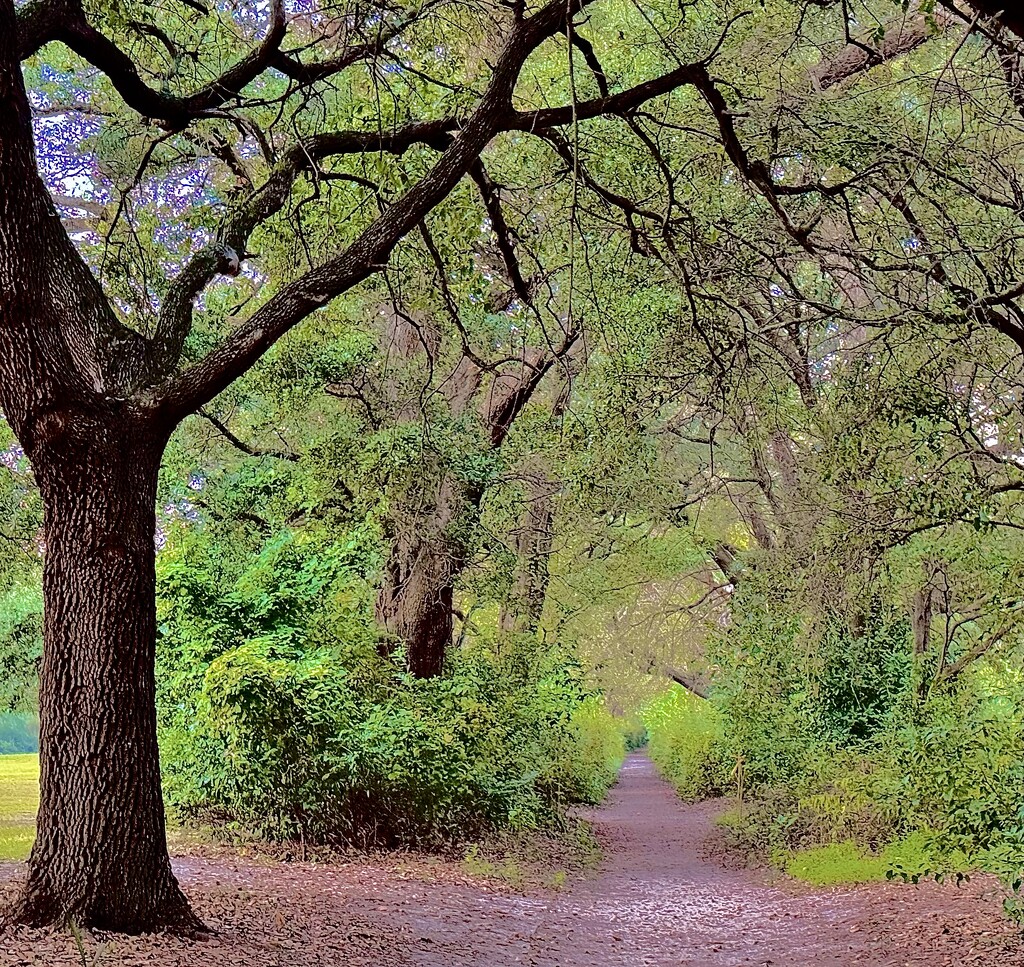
<point>223,257</point>
<point>857,57</point>
<point>65,21</point>
<point>503,409</point>
<point>75,349</point>
<point>949,673</point>
<point>289,64</point>
<point>725,557</point>
<point>40,21</point>
<point>371,249</point>
<point>492,203</point>
<point>693,683</point>
<point>1007,13</point>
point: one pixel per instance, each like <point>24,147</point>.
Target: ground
<point>659,898</point>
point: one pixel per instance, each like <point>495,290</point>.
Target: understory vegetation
<point>853,762</point>
<point>324,746</point>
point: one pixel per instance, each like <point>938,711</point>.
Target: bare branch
<point>66,21</point>
<point>240,444</point>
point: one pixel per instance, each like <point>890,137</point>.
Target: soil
<point>660,897</point>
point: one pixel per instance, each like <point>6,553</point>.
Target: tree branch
<point>1007,13</point>
<point>502,410</point>
<point>858,56</point>
<point>66,21</point>
<point>693,683</point>
<point>240,444</point>
<point>289,64</point>
<point>492,203</point>
<point>370,251</point>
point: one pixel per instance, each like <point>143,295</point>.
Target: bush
<point>590,754</point>
<point>687,744</point>
<point>938,793</point>
<point>280,719</point>
<point>284,745</point>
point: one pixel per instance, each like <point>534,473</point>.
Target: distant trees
<point>18,734</point>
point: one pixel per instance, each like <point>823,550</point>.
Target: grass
<point>534,860</point>
<point>835,864</point>
<point>19,798</point>
<point>847,863</point>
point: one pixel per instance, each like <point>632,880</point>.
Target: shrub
<point>589,754</point>
<point>286,745</point>
<point>687,744</point>
<point>279,718</point>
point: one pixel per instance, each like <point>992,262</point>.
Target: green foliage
<point>848,862</point>
<point>687,744</point>
<point>837,423</point>
<point>280,719</point>
<point>21,647</point>
<point>936,793</point>
<point>836,863</point>
<point>284,744</point>
<point>589,753</point>
<point>957,770</point>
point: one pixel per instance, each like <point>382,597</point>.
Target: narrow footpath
<point>658,899</point>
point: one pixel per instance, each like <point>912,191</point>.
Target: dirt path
<point>657,900</point>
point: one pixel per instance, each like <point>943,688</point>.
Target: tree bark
<point>432,529</point>
<point>694,683</point>
<point>416,601</point>
<point>534,542</point>
<point>100,856</point>
<point>1006,13</point>
<point>923,607</point>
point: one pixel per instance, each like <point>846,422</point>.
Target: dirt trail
<point>658,899</point>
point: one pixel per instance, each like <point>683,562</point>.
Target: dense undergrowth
<point>287,745</point>
<point>281,720</point>
<point>855,765</point>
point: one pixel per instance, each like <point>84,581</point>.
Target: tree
<point>995,10</point>
<point>93,391</point>
<point>103,354</point>
<point>432,532</point>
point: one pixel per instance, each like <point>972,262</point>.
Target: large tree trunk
<point>417,597</point>
<point>416,602</point>
<point>430,550</point>
<point>100,856</point>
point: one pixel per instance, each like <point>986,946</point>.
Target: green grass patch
<point>19,799</point>
<point>835,864</point>
<point>846,863</point>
